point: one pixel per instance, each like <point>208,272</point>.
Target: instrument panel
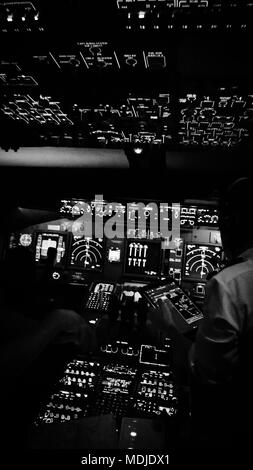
<point>190,215</point>
<point>44,242</point>
<point>138,384</point>
<point>103,274</point>
<point>137,251</point>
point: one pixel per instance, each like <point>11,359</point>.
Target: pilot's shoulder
<point>240,270</point>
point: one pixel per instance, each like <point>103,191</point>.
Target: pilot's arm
<point>19,351</point>
<point>214,357</point>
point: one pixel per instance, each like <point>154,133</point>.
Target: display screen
<point>143,257</point>
<point>150,355</point>
<point>87,253</point>
<point>175,295</point>
<point>114,255</point>
<point>50,240</point>
<point>115,251</point>
<point>201,260</point>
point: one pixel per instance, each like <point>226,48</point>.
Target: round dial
<point>25,239</point>
<point>87,253</point>
<point>201,260</point>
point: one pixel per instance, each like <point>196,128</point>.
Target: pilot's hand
<point>162,318</point>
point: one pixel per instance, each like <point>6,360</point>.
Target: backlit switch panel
<point>142,14</point>
<point>20,17</point>
<point>39,111</point>
<point>215,121</point>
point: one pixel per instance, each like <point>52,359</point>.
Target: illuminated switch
<point>141,15</point>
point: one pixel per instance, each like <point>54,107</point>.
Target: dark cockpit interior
<point>122,123</point>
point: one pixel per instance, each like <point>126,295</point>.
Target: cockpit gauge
<point>25,239</point>
<point>87,253</point>
<point>201,260</point>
